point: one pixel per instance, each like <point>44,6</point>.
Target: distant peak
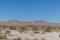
<point>39,21</point>
<point>13,21</point>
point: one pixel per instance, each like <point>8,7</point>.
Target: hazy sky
<point>26,10</point>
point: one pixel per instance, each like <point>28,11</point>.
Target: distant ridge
<point>22,23</point>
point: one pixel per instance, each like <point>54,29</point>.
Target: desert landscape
<point>32,30</point>
<point>29,19</point>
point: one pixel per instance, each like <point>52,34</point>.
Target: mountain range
<point>22,23</point>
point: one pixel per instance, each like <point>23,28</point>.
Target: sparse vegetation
<point>36,29</point>
<point>12,27</point>
<point>47,29</point>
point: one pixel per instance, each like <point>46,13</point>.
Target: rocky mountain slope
<point>22,23</point>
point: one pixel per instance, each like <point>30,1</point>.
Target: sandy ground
<point>47,36</point>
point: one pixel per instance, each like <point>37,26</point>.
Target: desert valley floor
<point>40,36</point>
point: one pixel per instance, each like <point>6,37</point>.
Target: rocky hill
<point>22,23</point>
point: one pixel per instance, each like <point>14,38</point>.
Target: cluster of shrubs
<point>46,28</point>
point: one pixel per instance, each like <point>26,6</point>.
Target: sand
<point>47,36</point>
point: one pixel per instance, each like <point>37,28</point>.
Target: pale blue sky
<point>27,10</point>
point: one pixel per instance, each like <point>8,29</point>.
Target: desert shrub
<point>23,28</point>
<point>48,29</point>
<point>12,27</point>
<point>7,31</point>
<point>35,28</point>
<point>2,37</point>
<point>58,28</point>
